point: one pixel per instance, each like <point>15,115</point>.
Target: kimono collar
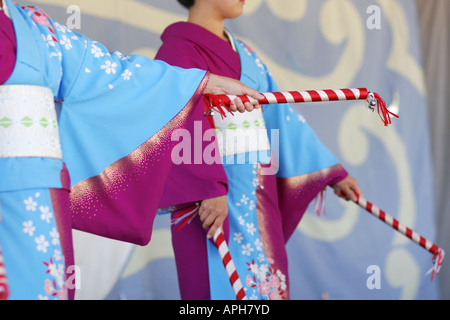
<point>5,9</point>
<point>27,60</point>
<point>231,39</point>
<point>196,34</point>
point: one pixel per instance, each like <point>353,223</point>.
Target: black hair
<point>187,3</point>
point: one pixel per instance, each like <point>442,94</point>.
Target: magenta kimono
<point>108,142</point>
<point>264,206</point>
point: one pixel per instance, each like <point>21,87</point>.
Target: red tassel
<point>320,203</point>
<point>215,103</point>
<point>383,111</point>
<point>182,212</point>
<point>438,262</point>
<point>186,215</point>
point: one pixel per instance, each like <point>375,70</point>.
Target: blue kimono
<point>110,130</point>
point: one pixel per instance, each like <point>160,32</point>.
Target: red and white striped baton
<point>186,216</point>
<point>216,102</point>
<point>438,253</point>
<point>224,252</point>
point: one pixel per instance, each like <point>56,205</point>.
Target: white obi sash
<point>28,122</point>
<point>241,133</point>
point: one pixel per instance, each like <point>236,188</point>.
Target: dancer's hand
<point>347,188</point>
<point>223,85</point>
<point>212,213</point>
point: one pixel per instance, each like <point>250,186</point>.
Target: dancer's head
<point>187,3</point>
<point>223,9</point>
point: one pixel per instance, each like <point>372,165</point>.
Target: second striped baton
<point>438,253</point>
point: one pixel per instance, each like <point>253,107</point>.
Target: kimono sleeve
<point>117,116</point>
<point>191,181</point>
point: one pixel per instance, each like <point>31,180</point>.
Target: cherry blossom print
<point>41,243</point>
<point>109,67</point>
<point>97,51</point>
<point>46,215</point>
<point>30,204</point>
<point>28,227</point>
<point>65,42</point>
<point>126,75</point>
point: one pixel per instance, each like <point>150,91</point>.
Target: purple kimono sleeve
<point>131,185</point>
<point>296,193</point>
<point>192,180</point>
<point>7,47</point>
